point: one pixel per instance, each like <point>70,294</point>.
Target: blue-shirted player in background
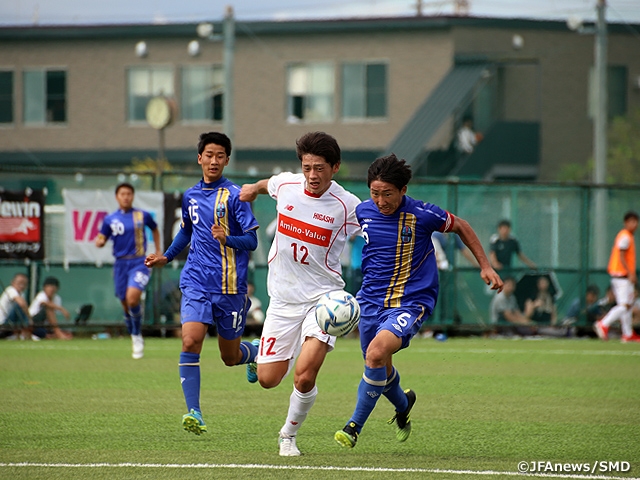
<point>126,227</point>
<point>222,231</point>
<point>399,286</point>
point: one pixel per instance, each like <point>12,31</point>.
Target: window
<point>364,90</point>
<point>310,90</point>
<point>143,85</point>
<point>202,89</point>
<point>6,97</point>
<point>45,96</point>
<point>616,91</point>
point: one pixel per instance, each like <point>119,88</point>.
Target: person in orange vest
<point>622,268</point>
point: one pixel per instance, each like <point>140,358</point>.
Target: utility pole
<point>228,33</point>
<point>600,132</point>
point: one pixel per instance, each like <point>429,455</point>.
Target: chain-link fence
<point>558,228</point>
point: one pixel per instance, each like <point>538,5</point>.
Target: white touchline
<point>311,467</point>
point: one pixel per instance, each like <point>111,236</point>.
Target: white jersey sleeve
<point>311,233</point>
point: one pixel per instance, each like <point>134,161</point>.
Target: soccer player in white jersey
<point>316,217</point>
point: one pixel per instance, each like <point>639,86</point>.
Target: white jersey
<point>36,305</point>
<point>6,302</point>
<point>312,231</point>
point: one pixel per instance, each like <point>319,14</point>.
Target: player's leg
<point>138,278</point>
<point>196,316</point>
<point>120,283</point>
<point>623,292</point>
<point>193,335</point>
<point>313,351</point>
<point>230,314</point>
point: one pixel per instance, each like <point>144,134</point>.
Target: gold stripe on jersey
<point>229,282</point>
<point>401,269</point>
<point>138,228</point>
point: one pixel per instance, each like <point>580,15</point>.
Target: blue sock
<point>129,323</point>
<point>249,352</point>
<point>394,392</point>
<point>369,391</point>
<point>136,319</point>
<point>189,369</point>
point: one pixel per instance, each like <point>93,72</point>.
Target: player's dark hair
<point>630,214</point>
<point>51,281</point>
<point>125,185</point>
<point>390,169</point>
<point>504,223</point>
<point>214,137</point>
<point>320,144</point>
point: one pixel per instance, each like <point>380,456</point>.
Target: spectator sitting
<point>542,309</point>
<point>592,310</point>
<point>14,309</point>
<point>504,311</point>
<point>43,311</point>
<point>255,315</point>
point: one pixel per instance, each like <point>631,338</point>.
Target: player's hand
<point>219,234</point>
<point>155,260</point>
<point>249,192</point>
<point>490,277</point>
<point>100,241</point>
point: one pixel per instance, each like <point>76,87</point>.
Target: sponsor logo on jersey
<point>289,208</point>
<point>221,210</point>
<point>323,218</point>
<point>306,232</point>
<point>406,234</point>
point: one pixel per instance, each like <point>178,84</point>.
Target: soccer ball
<point>337,313</point>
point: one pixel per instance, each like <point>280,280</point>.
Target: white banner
<point>84,212</point>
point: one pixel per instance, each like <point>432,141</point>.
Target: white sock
<point>614,314</point>
<point>299,406</point>
<point>626,320</point>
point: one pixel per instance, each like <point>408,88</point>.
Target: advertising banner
<point>22,224</point>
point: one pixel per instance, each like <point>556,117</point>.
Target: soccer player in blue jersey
<point>399,286</point>
<point>222,231</point>
<point>126,227</point>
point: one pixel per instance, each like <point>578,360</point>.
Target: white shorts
<point>623,290</point>
<point>285,328</point>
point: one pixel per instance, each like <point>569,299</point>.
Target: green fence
<point>560,227</point>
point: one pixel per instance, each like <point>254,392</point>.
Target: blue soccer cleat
<point>252,368</point>
<point>193,422</point>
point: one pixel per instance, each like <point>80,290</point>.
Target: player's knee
<point>268,381</point>
<point>229,360</point>
<point>305,383</point>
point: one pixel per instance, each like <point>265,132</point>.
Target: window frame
<point>11,97</point>
<point>216,69</point>
<point>365,89</point>
<point>129,110</point>
<point>305,101</point>
<point>46,97</point>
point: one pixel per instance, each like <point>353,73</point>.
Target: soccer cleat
<point>137,343</point>
<point>193,422</point>
<point>288,447</point>
<point>630,338</point>
<point>403,419</point>
<point>252,368</point>
<point>348,436</point>
<point>601,330</point>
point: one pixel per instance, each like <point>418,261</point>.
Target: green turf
<point>483,405</point>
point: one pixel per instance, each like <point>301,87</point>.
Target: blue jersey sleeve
<point>105,229</point>
<point>243,213</point>
<point>149,221</point>
<point>180,241</point>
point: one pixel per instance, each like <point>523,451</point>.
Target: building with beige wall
<point>76,96</point>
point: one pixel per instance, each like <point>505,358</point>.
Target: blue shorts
<point>130,273</point>
<point>403,322</point>
<point>227,312</point>
<point>17,318</point>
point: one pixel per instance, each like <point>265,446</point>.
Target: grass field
<point>85,409</point>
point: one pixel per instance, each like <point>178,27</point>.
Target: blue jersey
<point>126,229</point>
<point>212,267</point>
<point>398,260</point>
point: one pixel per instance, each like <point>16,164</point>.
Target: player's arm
<point>103,236</point>
<point>100,240</point>
<point>469,256</point>
<point>471,240</point>
<point>250,191</point>
<point>180,241</point>
<point>623,261</point>
<point>156,239</point>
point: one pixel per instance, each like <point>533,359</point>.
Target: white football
<point>337,313</point>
